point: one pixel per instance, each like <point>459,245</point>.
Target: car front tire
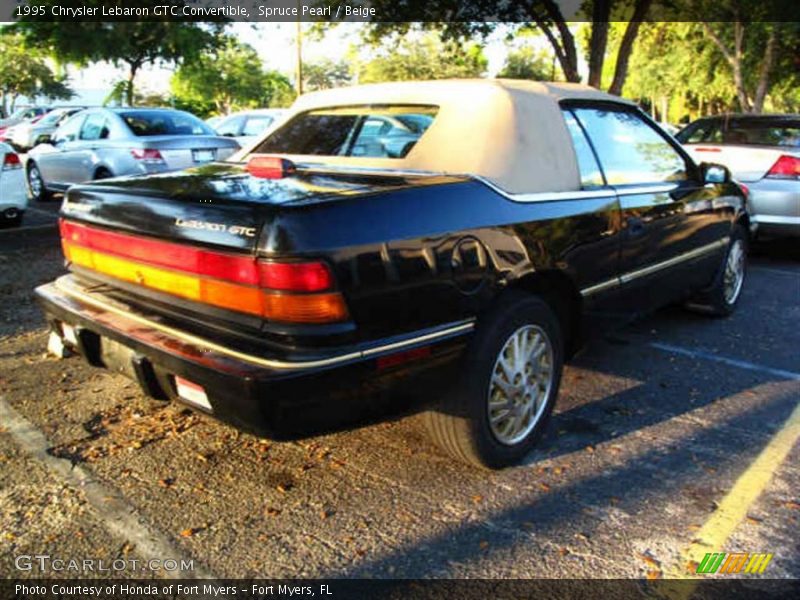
<point>36,186</point>
<point>512,371</point>
<point>721,299</point>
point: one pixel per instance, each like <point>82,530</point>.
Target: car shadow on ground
<point>666,471</point>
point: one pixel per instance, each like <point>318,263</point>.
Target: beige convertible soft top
<point>510,132</point>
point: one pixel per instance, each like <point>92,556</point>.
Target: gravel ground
<point>645,444</point>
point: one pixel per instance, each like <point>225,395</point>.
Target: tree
<point>545,15</point>
<point>25,72</point>
<point>229,78</point>
<point>527,63</point>
<point>404,58</point>
<point>679,65</point>
<point>132,43</point>
<point>325,74</point>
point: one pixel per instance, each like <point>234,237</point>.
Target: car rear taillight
<point>786,167</point>
<point>148,156</point>
<point>744,188</point>
<point>291,292</point>
<point>11,161</point>
<point>270,167</point>
<point>295,277</point>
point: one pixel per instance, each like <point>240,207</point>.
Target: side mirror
<point>713,173</point>
<point>45,138</point>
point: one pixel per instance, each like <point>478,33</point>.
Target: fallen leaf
<point>544,486</point>
<point>477,498</point>
<point>484,545</point>
<point>590,449</point>
<point>188,532</point>
<point>654,574</point>
<point>649,560</point>
<point>792,504</point>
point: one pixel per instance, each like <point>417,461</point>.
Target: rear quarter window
<point>150,123</point>
<point>369,131</point>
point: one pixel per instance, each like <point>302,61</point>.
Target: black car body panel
<point>418,258</point>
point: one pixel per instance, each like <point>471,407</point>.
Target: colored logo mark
<point>732,562</point>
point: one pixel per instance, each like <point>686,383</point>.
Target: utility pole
<point>299,48</point>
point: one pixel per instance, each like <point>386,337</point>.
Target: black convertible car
<point>517,218</point>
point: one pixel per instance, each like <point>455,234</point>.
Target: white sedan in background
<point>13,195</point>
<point>763,153</point>
<point>248,125</point>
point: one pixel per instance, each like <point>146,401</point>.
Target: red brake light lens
<point>270,167</point>
<point>147,155</point>
<point>785,167</point>
<point>295,277</point>
<point>11,161</point>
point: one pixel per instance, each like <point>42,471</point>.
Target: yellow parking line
<point>734,506</point>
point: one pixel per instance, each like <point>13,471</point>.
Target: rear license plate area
<point>203,156</point>
<point>192,393</point>
<point>117,357</point>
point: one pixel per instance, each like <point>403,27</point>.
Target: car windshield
<point>747,132</point>
<point>386,131</point>
<point>144,123</point>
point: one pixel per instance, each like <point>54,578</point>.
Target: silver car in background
<point>23,114</point>
<point>763,153</point>
<point>247,126</point>
<point>23,135</point>
<point>111,142</point>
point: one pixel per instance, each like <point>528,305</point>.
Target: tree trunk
<point>626,46</point>
<point>598,42</point>
<point>565,50</point>
<point>568,66</point>
<point>734,59</point>
<point>134,68</point>
<point>766,68</point>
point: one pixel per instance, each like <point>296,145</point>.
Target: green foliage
<point>24,72</point>
<point>527,63</point>
<point>229,78</point>
<point>679,62</point>
<point>325,74</point>
<point>131,43</point>
<point>403,58</point>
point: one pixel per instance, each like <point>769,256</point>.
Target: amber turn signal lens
<point>305,308</point>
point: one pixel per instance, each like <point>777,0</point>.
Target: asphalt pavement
<point>674,436</point>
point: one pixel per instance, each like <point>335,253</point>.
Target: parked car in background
<point>23,114</point>
<point>13,199</point>
<point>304,274</point>
<point>25,135</point>
<point>109,142</point>
<point>762,152</point>
<point>247,126</point>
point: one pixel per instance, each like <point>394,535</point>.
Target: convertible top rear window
<point>387,131</point>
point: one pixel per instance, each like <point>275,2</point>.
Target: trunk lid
<point>186,151</point>
<point>214,205</point>
<point>746,163</point>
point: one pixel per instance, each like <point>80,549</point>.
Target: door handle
<point>635,226</point>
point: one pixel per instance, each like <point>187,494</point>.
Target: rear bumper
<point>254,392</point>
<point>775,206</point>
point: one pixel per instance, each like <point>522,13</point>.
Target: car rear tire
<point>36,186</point>
<point>102,173</point>
<point>496,413</point>
<point>721,299</point>
<point>12,217</point>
